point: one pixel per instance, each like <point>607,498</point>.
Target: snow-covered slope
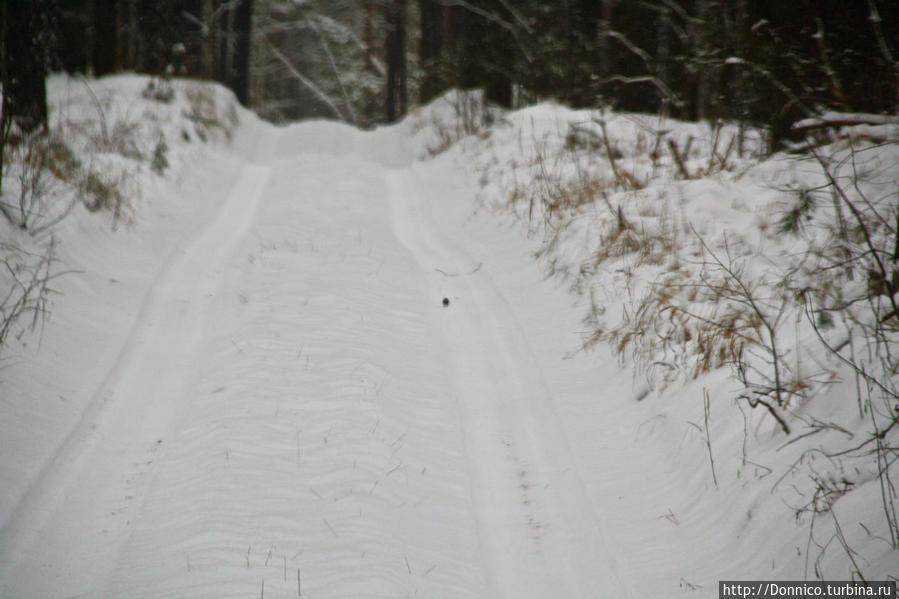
<point>255,388</point>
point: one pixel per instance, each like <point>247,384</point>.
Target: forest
<point>763,63</point>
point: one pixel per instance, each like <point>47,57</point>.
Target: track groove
<point>100,470</point>
<point>539,535</point>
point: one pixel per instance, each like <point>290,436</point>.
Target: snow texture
<point>257,388</point>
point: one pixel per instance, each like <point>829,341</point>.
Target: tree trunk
<point>396,59</point>
<point>431,48</point>
<point>4,121</point>
<point>487,52</point>
<point>120,29</point>
<point>243,26</point>
<point>606,63</point>
<point>701,35</point>
<point>368,35</point>
<point>209,39</point>
<point>128,40</point>
<point>26,34</point>
<point>223,31</point>
<point>663,51</point>
<point>105,36</point>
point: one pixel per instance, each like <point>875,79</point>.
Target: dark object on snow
<point>445,302</point>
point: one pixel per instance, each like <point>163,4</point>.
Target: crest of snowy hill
<point>758,287</point>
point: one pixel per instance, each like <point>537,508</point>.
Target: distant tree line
<point>201,38</point>
<point>766,62</point>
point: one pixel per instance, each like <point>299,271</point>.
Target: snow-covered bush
<point>105,138</point>
<point>698,253</point>
<point>454,116</point>
<point>38,166</point>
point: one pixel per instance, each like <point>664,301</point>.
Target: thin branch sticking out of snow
<point>843,119</point>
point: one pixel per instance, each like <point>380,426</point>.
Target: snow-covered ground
<point>254,388</point>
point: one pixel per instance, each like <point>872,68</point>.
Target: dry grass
<point>93,159</point>
<point>811,303</point>
<point>681,304</point>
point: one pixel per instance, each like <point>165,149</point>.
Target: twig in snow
<point>459,274</point>
<point>331,528</point>
<point>678,159</point>
<point>671,517</point>
<point>708,439</point>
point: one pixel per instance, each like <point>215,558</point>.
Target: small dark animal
<point>445,302</point>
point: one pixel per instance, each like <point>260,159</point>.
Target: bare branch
<point>307,82</point>
<point>494,18</point>
<point>794,99</point>
<point>327,49</point>
<point>666,91</point>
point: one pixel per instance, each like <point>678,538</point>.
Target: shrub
<point>26,278</point>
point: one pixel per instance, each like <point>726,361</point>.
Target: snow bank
<point>247,378</point>
<point>712,268</point>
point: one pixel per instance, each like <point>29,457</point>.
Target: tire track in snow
<point>64,536</point>
<point>539,536</point>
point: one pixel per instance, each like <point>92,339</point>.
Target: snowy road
<point>538,534</point>
<point>294,410</point>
